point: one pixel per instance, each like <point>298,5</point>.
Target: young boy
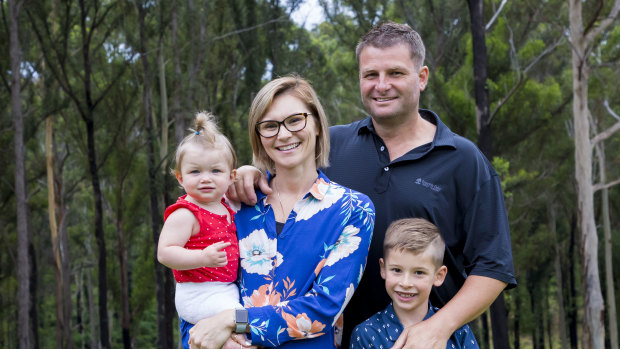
<point>413,263</point>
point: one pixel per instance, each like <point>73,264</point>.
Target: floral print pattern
<point>296,283</point>
<point>346,244</point>
<point>257,252</point>
<point>300,326</point>
<point>265,295</point>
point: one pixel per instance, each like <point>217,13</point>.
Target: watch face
<point>241,316</point>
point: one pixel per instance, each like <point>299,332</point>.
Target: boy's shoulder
<point>379,330</point>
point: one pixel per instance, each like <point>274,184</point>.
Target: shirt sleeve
<point>488,249</point>
<point>336,277</point>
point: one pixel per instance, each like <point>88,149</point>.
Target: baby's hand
<point>215,256</point>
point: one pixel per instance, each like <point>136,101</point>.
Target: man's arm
<point>476,295</point>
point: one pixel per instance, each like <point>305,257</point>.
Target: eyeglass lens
<point>292,123</point>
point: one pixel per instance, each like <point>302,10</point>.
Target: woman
<point>302,248</point>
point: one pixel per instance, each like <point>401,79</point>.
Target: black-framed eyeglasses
<point>293,123</point>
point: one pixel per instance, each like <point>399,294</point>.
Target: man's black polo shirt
<point>448,182</point>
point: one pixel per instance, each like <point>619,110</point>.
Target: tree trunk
<point>485,140</point>
<point>56,209</point>
<point>165,175</point>
<point>163,93</point>
<point>79,299</point>
<point>572,294</point>
<point>21,194</point>
<point>179,120</point>
<point>517,323</point>
<point>63,326</point>
<point>498,311</point>
<point>164,325</point>
<point>102,279</point>
<point>609,272</point>
<point>558,276</point>
<point>122,262</point>
<point>593,325</point>
<point>92,311</point>
<point>484,319</point>
<point>88,118</point>
<point>34,310</point>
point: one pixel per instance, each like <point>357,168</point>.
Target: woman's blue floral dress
<point>297,284</point>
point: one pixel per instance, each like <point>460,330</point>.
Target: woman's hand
<point>212,332</point>
<point>238,341</point>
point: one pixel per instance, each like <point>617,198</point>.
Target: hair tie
<point>197,132</point>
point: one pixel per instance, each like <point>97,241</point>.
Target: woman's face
<point>291,150</point>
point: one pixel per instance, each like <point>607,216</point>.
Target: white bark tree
<point>583,41</point>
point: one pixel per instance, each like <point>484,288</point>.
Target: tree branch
<point>239,31</point>
<point>609,110</point>
<point>522,77</point>
<point>607,185</point>
<point>499,10</point>
<point>604,23</point>
<point>605,134</point>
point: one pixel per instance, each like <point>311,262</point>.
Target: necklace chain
<point>279,200</point>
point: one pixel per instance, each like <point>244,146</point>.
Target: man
<point>411,165</point>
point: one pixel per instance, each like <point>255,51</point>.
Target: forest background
<point>107,88</point>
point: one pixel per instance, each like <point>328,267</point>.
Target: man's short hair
<point>415,235</point>
<point>388,34</point>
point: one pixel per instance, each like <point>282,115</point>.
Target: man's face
<point>390,83</point>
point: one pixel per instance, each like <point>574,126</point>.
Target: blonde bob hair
<point>300,88</point>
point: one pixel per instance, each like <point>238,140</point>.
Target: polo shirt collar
<point>393,326</point>
<point>318,190</point>
<point>443,135</point>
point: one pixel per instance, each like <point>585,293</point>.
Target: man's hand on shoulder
<point>243,188</point>
<point>426,334</point>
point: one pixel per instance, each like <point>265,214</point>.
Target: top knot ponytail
<point>207,135</point>
<point>206,127</point>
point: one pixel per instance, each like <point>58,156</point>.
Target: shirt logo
<point>428,185</point>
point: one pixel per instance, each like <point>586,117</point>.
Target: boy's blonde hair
<point>415,235</point>
<point>207,135</point>
<point>300,88</point>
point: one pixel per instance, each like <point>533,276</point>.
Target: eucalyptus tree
<point>583,41</point>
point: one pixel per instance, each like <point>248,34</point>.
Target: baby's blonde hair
<point>207,135</point>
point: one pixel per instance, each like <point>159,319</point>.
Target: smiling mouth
<point>384,99</point>
<point>288,147</point>
<point>405,295</point>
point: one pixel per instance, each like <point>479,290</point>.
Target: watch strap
<point>241,320</point>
